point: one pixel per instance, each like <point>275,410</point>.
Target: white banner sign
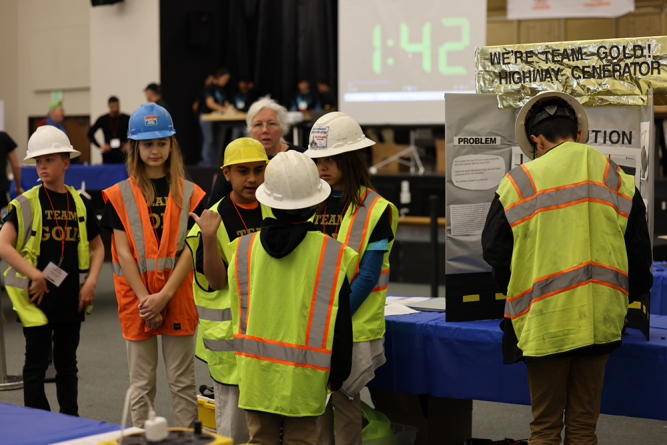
<point>552,9</point>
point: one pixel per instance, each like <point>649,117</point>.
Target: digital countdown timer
<point>423,47</point>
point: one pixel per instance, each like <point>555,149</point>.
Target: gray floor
<point>103,378</point>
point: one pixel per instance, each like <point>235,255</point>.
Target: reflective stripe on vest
<point>149,265</point>
<point>219,345</point>
<point>522,182</point>
<point>613,180</point>
<point>314,353</point>
<point>206,313</point>
<point>565,280</point>
<point>559,197</point>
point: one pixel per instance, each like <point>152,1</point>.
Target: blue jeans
<point>210,141</point>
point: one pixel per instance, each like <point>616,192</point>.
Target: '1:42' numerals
<point>424,47</point>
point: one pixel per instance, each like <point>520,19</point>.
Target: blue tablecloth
<point>97,177</point>
<point>426,355</point>
<point>659,290</point>
<point>27,426</point>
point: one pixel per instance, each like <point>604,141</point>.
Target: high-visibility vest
<point>28,244</point>
<point>155,263</point>
<point>215,344</point>
<point>568,211</point>
<point>355,231</point>
<point>283,313</point>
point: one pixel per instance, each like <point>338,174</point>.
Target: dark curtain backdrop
<point>272,42</point>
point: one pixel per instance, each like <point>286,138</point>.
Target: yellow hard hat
<point>244,150</point>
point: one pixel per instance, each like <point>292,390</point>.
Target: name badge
<point>303,105</point>
<point>54,274</point>
<point>115,143</point>
<point>240,105</point>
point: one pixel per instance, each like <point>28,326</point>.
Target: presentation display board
<point>481,148</point>
<point>397,59</point>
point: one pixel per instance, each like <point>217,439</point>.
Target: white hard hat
<point>526,114</point>
<point>47,140</point>
<point>335,133</point>
<point>291,181</point>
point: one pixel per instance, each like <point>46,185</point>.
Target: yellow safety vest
<point>215,344</point>
<point>355,231</point>
<point>28,244</point>
<point>568,211</point>
<point>283,314</point>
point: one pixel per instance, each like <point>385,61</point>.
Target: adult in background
<point>266,122</point>
<point>114,127</point>
<point>200,101</point>
<point>327,98</point>
<point>154,94</point>
<point>568,270</point>
<point>305,99</point>
<point>56,116</point>
<point>7,146</point>
<point>217,99</point>
<point>242,98</point>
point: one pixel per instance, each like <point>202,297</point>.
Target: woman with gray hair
<point>267,123</point>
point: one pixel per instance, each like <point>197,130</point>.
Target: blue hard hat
<point>150,121</point>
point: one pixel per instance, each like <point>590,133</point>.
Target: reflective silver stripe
<point>26,212</point>
<point>219,345</point>
<point>359,222</point>
<point>522,181</point>
<point>325,286</point>
<point>188,190</point>
<point>206,313</point>
<point>242,277</point>
<point>12,280</point>
<point>148,265</point>
<point>565,196</point>
<point>588,271</point>
<point>612,179</point>
<point>132,209</point>
<point>383,280</point>
<point>281,352</point>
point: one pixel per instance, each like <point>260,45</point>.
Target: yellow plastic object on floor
<point>176,436</point>
<point>206,412</point>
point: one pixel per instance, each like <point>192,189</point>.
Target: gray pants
<point>230,420</point>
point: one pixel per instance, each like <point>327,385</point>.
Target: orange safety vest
<point>155,263</point>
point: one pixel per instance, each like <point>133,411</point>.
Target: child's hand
<point>155,322</point>
<point>38,287</point>
<point>151,306</point>
<point>86,295</point>
<point>208,222</point>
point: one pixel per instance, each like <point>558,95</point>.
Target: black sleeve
<point>110,219</point>
<point>638,247</point>
<point>92,226</point>
<point>91,132</point>
<point>498,244</point>
<point>7,141</point>
<point>221,188</point>
<point>383,228</point>
<point>341,352</point>
<point>12,218</point>
<point>198,211</point>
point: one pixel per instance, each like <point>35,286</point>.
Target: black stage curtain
<point>272,42</point>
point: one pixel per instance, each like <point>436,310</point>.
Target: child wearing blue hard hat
<point>149,217</point>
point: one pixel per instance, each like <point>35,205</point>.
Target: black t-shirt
<point>222,187</point>
<point>112,127</point>
<point>7,145</point>
<point>110,219</point>
<point>218,94</point>
<point>331,222</point>
<point>234,221</point>
<point>61,304</point>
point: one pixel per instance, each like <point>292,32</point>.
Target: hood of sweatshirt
<point>279,237</point>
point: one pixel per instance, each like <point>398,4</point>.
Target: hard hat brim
<point>520,123</point>
<point>285,203</point>
<point>152,135</point>
<point>245,161</point>
<point>30,159</point>
<point>326,152</point>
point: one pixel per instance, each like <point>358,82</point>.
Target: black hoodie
<point>279,238</point>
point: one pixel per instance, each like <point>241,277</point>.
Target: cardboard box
<point>440,156</point>
<point>589,29</point>
<point>384,151</point>
<point>440,420</point>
